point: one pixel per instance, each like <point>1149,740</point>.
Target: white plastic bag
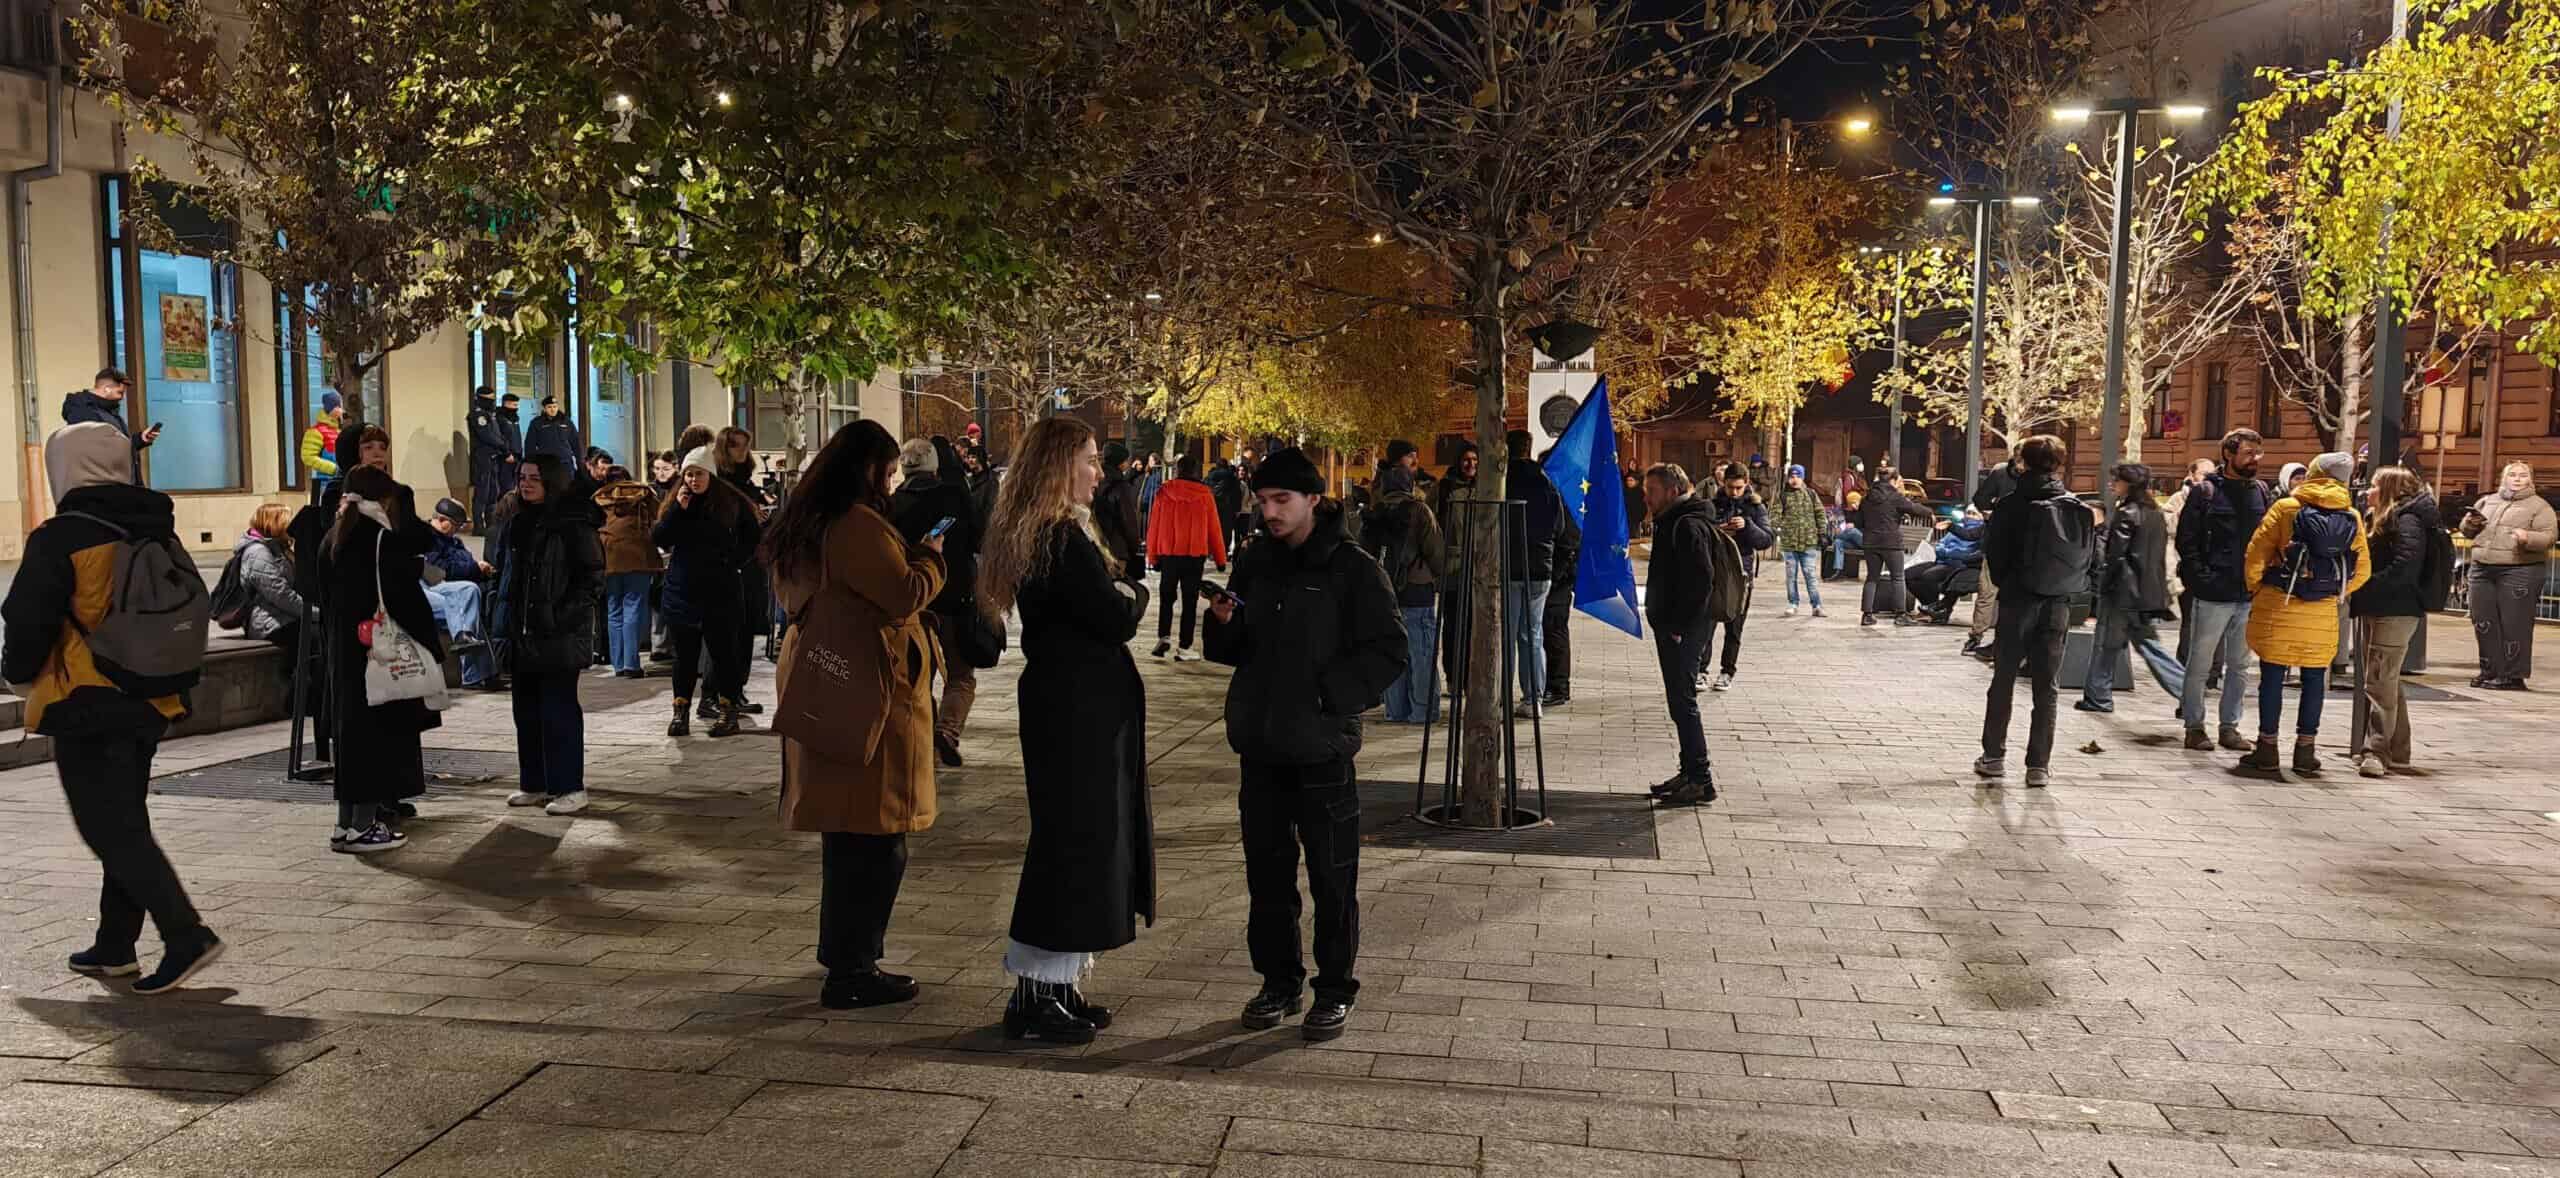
<point>396,666</point>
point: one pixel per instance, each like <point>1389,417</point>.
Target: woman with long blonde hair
<point>1089,870</point>
<point>2402,523</point>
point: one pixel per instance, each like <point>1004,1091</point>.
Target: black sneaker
<point>98,963</point>
<point>179,965</point>
<point>946,750</point>
<point>1164,648</point>
<point>1265,1010</point>
<point>2086,706</point>
<point>707,709</point>
<point>1671,783</point>
<point>1325,1022</point>
<point>746,708</point>
<point>1694,791</point>
<point>871,987</point>
<point>1866,619</point>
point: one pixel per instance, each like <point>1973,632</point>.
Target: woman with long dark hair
<point>555,570</point>
<point>709,533</point>
<point>376,555</point>
<point>843,569</point>
<point>1089,871</point>
<point>2401,524</point>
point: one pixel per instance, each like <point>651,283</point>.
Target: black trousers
<point>491,478</point>
<point>716,643</point>
<point>1178,576</point>
<point>1559,640</point>
<point>1681,656</point>
<point>106,777</point>
<point>551,732</point>
<point>755,620</point>
<point>1284,808</point>
<point>858,883</point>
<point>2028,637</point>
<point>1454,618</point>
<point>1884,581</point>
<point>1732,652</point>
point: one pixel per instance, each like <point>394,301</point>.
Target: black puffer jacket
<point>709,545</point>
<point>1880,517</point>
<point>2134,573</point>
<point>2399,561</point>
<point>555,575</point>
<point>2222,512</point>
<point>1682,571</point>
<point>1316,642</point>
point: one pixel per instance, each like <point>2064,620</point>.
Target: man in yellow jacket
<point>2307,553</point>
<point>320,442</point>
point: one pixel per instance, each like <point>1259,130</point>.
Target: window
<point>2475,400</point>
<point>174,327</point>
<point>832,406</point>
<point>2217,400</point>
<point>2551,397</point>
<point>2156,421</point>
<point>301,379</point>
<point>603,398</point>
<point>500,364</point>
<point>2270,404</point>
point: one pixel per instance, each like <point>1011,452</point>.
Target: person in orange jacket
<point>1183,536</point>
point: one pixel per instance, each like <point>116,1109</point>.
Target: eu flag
<point>1586,459</point>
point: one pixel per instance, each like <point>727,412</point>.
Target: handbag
<point>810,707</point>
<point>396,666</point>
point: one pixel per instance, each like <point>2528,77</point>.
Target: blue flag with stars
<point>1585,461</point>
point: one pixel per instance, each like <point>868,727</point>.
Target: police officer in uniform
<point>493,459</point>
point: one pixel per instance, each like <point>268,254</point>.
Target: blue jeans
<point>2271,680</point>
<point>2118,629</point>
<point>2217,626</point>
<point>1807,564</point>
<point>626,618</point>
<point>1415,695</point>
<point>457,609</point>
<point>1526,604</point>
<point>1848,538</point>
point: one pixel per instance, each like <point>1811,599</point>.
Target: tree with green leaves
<point>367,152</point>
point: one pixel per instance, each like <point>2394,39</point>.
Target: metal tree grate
<point>261,777</point>
<point>1584,824</point>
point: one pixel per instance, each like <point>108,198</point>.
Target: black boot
<point>680,726</point>
<point>727,724</point>
<point>1038,1011</point>
<point>709,708</point>
<point>1098,1015</point>
<point>1265,1010</point>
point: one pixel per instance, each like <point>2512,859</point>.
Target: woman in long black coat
<point>376,553</point>
<point>1088,874</point>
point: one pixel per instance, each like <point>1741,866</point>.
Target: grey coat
<point>268,574</point>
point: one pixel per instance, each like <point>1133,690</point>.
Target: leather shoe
<point>870,987</point>
<point>1326,1021</point>
<point>1265,1010</point>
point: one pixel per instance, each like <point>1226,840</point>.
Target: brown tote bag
<point>829,671</point>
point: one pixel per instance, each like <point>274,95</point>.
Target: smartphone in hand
<point>943,526</point>
<point>1216,592</point>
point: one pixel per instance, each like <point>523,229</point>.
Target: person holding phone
<point>1303,676</point>
<point>841,567</point>
<point>709,531</point>
<point>103,401</point>
<point>2511,534</point>
<point>932,488</point>
<point>1088,873</point>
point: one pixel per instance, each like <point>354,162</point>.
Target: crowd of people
<point>889,572</point>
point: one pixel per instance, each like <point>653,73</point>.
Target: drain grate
<point>260,778</point>
<point>1584,824</point>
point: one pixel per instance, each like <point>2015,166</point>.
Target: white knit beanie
<point>701,458</point>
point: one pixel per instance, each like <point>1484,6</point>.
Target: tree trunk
<point>1480,762</point>
<point>795,418</point>
<point>1937,451</point>
<point>2354,369</point>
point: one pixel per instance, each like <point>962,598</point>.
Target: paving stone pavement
<point>1855,962</point>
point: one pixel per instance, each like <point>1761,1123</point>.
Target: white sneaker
<point>522,798</point>
<point>367,842</point>
<point>1791,611</point>
<point>1182,654</point>
<point>1724,681</point>
<point>567,803</point>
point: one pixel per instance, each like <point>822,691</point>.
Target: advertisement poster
<point>520,380</point>
<point>185,338</point>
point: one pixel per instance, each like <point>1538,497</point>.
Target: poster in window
<point>185,338</point>
<point>520,380</point>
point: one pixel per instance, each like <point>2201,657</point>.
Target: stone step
<point>13,711</point>
<point>19,747</point>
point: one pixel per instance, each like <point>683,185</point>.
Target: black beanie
<point>1289,470</point>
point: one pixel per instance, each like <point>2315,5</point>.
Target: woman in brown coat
<point>842,569</point>
<point>630,564</point>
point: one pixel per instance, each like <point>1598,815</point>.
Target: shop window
<point>2217,400</point>
<point>302,377</point>
<point>2475,398</point>
<point>2270,404</point>
<point>174,325</point>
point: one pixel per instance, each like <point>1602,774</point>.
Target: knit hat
<point>701,458</point>
<point>2334,464</point>
<point>1795,471</point>
<point>1113,455</point>
<point>330,401</point>
<point>452,510</point>
<point>918,457</point>
<point>2288,472</point>
<point>1288,470</point>
<point>90,454</point>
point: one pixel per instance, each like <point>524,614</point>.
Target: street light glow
<point>1153,297</point>
<point>2071,114</point>
<point>722,98</point>
<point>621,102</point>
<point>1377,239</point>
<point>1858,125</point>
<point>1942,202</point>
<point>2026,202</point>
<point>2185,110</point>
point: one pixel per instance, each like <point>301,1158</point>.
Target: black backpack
<point>231,595</point>
<point>1729,589</point>
<point>2057,537</point>
<point>2320,557</point>
<point>2435,577</point>
<point>151,641</point>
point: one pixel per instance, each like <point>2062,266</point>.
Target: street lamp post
<point>1981,200</point>
<point>2127,112</point>
<point>1893,403</point>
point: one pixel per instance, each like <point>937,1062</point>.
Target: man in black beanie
<point>1314,634</point>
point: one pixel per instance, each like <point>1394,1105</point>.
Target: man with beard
<point>2221,513</point>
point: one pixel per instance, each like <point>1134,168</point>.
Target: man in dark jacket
<point>2214,527</point>
<point>1313,631</point>
<point>455,594</point>
<point>1115,512</point>
<point>1677,582</point>
<point>103,737</point>
<point>2133,593</point>
<point>1456,483</point>
<point>492,463</point>
<point>554,434</point>
<point>1556,627</point>
<point>103,402</point>
<point>2017,542</point>
<point>1530,575</point>
<point>1229,491</point>
<point>934,486</point>
<point>1997,483</point>
<point>1880,517</point>
<point>1738,509</point>
<point>511,431</point>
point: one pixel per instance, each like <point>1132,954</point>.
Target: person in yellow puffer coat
<point>2293,626</point>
